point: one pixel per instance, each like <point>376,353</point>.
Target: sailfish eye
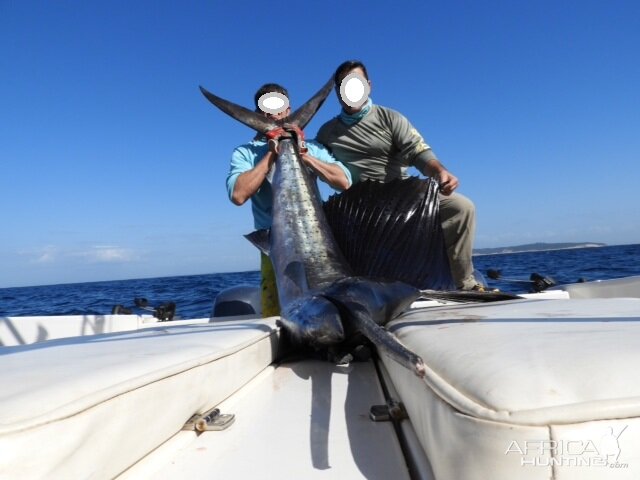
<point>273,103</point>
<point>354,90</point>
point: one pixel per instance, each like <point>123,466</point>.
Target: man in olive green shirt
<point>378,143</point>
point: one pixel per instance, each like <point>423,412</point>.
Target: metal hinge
<point>210,420</point>
<point>388,412</point>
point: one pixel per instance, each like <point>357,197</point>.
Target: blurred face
<point>274,105</point>
<point>353,90</point>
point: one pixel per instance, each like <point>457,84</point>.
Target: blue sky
<point>113,164</point>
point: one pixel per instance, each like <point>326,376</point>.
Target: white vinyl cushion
<point>89,407</point>
<point>492,361</point>
<point>521,371</point>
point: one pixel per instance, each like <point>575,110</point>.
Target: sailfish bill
<point>323,302</point>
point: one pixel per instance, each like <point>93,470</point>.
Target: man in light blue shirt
<point>247,179</point>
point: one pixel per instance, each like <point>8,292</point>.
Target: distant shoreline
<point>536,247</point>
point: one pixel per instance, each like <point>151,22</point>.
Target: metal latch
<point>210,420</point>
<point>387,412</point>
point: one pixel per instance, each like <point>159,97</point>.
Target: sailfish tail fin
<point>251,119</point>
<point>303,115</point>
<point>262,124</point>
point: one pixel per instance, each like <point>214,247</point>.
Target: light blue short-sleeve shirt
<point>246,156</point>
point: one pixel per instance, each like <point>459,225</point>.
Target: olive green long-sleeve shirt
<point>380,147</point>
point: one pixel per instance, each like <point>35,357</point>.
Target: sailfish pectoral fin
<point>260,239</point>
<point>251,119</point>
<point>366,305</point>
<point>385,342</point>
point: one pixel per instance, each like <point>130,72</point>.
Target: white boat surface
<point>537,388</point>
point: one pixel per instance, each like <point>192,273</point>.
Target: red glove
<point>286,131</point>
<point>273,137</point>
<point>299,135</point>
<point>276,133</point>
<point>291,128</point>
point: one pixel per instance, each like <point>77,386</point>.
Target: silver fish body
<point>303,250</point>
<point>304,254</point>
<point>321,301</point>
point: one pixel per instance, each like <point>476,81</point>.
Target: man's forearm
<point>433,168</point>
<point>329,172</point>
<point>249,182</point>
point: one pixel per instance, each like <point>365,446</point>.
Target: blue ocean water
<point>194,294</point>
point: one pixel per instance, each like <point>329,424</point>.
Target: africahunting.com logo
<point>604,450</point>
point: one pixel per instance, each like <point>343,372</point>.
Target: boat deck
<point>319,414</point>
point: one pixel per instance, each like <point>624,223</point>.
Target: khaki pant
<point>458,215</point>
<point>270,303</point>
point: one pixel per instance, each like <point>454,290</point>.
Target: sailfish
<point>323,302</point>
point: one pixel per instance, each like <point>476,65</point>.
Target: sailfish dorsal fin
<point>392,231</point>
